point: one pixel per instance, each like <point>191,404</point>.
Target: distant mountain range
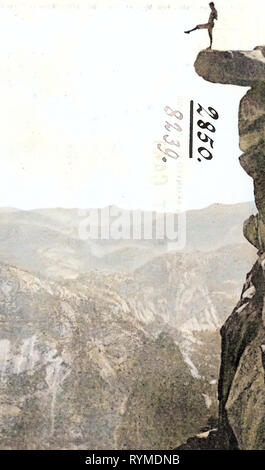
<point>47,241</point>
<point>113,344</point>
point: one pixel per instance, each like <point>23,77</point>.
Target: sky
<point>84,86</point>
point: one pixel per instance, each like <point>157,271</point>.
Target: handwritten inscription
<point>207,126</point>
<point>171,143</point>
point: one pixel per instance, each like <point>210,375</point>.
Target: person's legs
<point>199,26</point>
<point>190,30</point>
<point>210,32</point>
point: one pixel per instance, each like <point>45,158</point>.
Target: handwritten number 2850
<point>206,126</point>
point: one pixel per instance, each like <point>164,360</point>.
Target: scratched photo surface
<point>132,224</point>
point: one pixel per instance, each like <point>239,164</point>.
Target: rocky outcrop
<point>242,372</point>
<point>244,68</point>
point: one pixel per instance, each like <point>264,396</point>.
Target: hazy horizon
<point>214,204</point>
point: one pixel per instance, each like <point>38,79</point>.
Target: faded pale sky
<point>83,90</point>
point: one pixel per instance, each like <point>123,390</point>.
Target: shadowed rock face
<point>241,381</point>
<point>242,372</point>
<point>252,142</point>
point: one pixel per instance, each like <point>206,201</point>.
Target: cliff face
<point>242,372</point>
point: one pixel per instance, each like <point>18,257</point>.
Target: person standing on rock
<point>210,25</point>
